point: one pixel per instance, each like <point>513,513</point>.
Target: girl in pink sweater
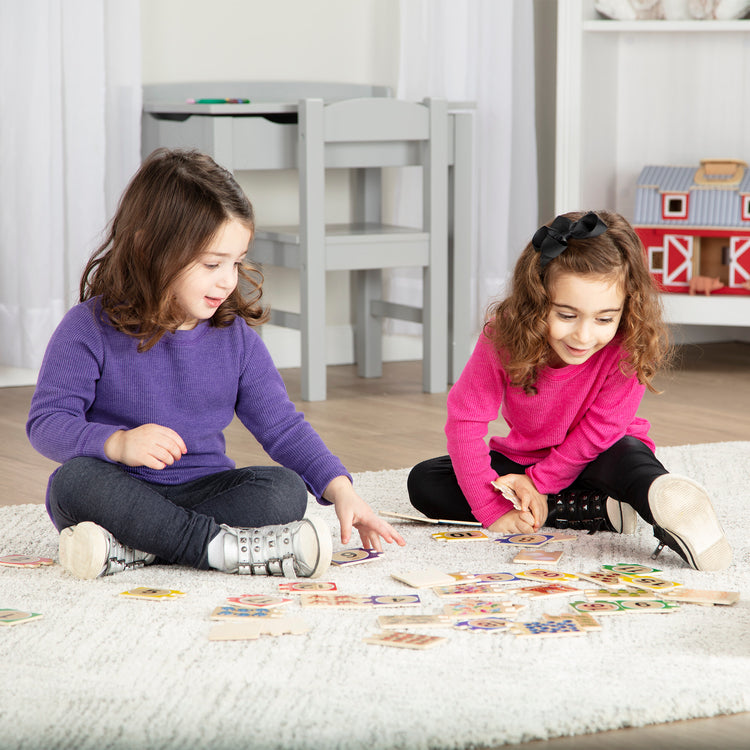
<point>565,359</point>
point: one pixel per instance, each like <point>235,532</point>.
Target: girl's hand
<point>352,510</point>
<point>149,445</point>
<point>532,502</point>
<point>514,522</point>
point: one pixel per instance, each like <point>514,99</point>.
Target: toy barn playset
<point>695,226</point>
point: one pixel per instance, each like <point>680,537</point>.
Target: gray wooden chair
<point>366,135</point>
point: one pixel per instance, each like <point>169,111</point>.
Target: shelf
<point>662,27</point>
<point>716,310</point>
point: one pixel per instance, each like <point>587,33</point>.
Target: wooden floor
<point>388,423</point>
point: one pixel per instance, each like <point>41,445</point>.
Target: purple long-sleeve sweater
<point>93,382</point>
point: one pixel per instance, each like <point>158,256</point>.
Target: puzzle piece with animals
<point>231,612</point>
<point>471,589</point>
<point>556,628</point>
<point>482,607</point>
<point>403,639</point>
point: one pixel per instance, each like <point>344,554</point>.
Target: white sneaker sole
<point>682,507</point>
<point>83,550</point>
<point>314,544</point>
<point>622,516</point>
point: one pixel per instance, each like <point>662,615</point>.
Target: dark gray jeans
<point>173,522</point>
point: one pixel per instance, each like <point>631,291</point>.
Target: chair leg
<point>368,331</point>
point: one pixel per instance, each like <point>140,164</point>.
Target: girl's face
<point>584,316</point>
<point>203,286</point>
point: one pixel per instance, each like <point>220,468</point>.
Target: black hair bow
<point>551,240</point>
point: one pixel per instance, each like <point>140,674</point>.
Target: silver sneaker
<point>298,549</point>
<point>89,551</point>
<point>685,522</point>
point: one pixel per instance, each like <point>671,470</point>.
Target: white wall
<point>352,41</point>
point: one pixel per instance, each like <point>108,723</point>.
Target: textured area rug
<point>100,671</point>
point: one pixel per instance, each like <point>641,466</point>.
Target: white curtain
<point>480,51</point>
<point>70,104</point>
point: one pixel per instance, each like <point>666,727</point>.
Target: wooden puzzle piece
<point>393,622</point>
<point>231,612</point>
<point>538,556</point>
<point>342,600</point>
<point>259,601</point>
<point>541,574</point>
<point>561,536</point>
<point>295,587</point>
<point>631,569</point>
<point>649,582</point>
<point>400,600</point>
<point>427,578</point>
<point>623,606</point>
<point>155,595</point>
<point>460,536</point>
<point>484,577</point>
<point>424,519</point>
<point>507,492</point>
<point>354,556</point>
<point>25,561</point>
<point>403,639</point>
<point>598,607</point>
<point>480,607</point>
<point>610,595</point>
<point>584,620</point>
<point>547,628</point>
<point>547,590</point>
<point>253,629</point>
<point>17,616</point>
<point>699,596</point>
<point>472,589</point>
<point>607,579</point>
<point>525,540</point>
<point>484,624</point>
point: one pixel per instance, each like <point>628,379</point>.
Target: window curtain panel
<point>70,110</point>
<point>479,51</point>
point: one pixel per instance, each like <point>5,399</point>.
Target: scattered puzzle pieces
<point>631,569</point>
<point>231,612</point>
<point>484,624</point>
<point>541,574</point>
<point>25,561</point>
<point>546,628</point>
<point>607,579</point>
<point>479,607</point>
<point>354,556</point>
<point>17,616</point>
<point>344,600</point>
<point>484,577</point>
<point>295,587</point>
<point>549,590</point>
<point>473,589</point>
<point>538,556</point>
<point>525,540</point>
<point>402,639</point>
<point>649,582</point>
<point>258,600</point>
<point>622,606</point>
<point>609,595</point>
<point>156,595</point>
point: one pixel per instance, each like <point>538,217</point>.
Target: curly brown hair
<point>168,215</point>
<point>517,325</point>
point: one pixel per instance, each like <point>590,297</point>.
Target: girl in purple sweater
<point>141,378</point>
<point>565,359</point>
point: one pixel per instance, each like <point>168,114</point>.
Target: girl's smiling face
<point>584,316</point>
<point>202,287</point>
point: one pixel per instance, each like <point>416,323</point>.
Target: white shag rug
<point>102,672</point>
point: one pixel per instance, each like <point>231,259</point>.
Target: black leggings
<point>625,472</point>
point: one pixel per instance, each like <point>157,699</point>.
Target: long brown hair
<point>517,325</point>
<point>167,216</point>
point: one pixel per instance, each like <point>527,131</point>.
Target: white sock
<point>219,557</point>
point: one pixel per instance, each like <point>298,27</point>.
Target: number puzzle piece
<point>460,536</point>
<point>631,569</point>
<point>698,596</point>
<point>25,561</point>
<point>156,595</point>
<point>258,600</point>
<point>607,579</point>
<point>584,620</point>
<point>598,608</point>
<point>484,577</point>
<point>548,590</point>
<point>647,605</point>
<point>419,579</point>
<point>538,556</point>
<point>525,540</point>
<point>472,589</point>
<point>231,612</point>
<point>400,600</point>
<point>296,587</point>
<point>402,639</point>
<point>333,600</point>
<point>354,556</point>
<point>393,622</point>
<point>481,607</point>
<point>17,616</point>
<point>613,595</point>
<point>540,574</point>
<point>484,624</point>
<point>546,628</point>
<point>649,582</point>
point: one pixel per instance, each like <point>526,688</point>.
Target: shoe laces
<point>581,509</point>
<point>122,558</point>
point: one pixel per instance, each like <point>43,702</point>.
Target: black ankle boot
<point>590,510</point>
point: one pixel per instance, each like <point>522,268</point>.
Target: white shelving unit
<point>631,93</point>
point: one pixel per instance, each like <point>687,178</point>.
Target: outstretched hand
<point>150,445</point>
<point>353,511</point>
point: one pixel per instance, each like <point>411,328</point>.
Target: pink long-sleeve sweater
<point>578,412</point>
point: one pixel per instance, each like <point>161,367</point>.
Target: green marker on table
<point>218,101</point>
